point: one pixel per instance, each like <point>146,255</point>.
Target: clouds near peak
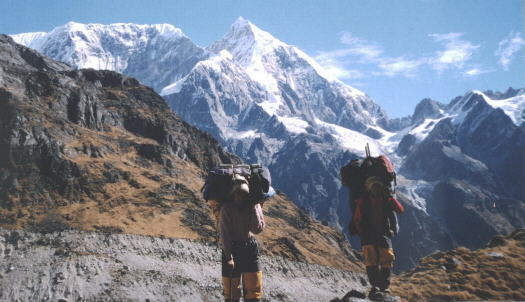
<point>507,49</point>
<point>455,54</point>
<point>360,58</point>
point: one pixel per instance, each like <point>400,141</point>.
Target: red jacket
<point>356,226</point>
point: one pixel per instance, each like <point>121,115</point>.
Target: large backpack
<point>219,182</point>
<point>355,173</point>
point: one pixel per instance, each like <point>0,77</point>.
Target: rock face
<point>471,159</point>
<point>74,265</point>
<point>427,108</point>
<point>79,136</point>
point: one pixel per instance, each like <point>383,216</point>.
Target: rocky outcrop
<point>427,108</point>
<point>62,129</point>
<point>420,235</point>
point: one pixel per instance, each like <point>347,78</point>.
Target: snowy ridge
<point>248,45</point>
<point>95,45</point>
<point>276,66</point>
<point>158,54</point>
<point>32,40</point>
<point>514,107</point>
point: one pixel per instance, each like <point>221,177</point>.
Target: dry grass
<point>144,197</point>
<point>492,273</point>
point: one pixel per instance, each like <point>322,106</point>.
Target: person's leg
<point>231,281</point>
<point>252,286</point>
<point>386,260</point>
<point>371,262</point>
<point>251,273</point>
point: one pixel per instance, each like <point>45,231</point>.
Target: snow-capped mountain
<point>297,86</point>
<point>265,100</point>
<point>156,54</point>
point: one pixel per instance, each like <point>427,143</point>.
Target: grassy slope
<point>496,272</point>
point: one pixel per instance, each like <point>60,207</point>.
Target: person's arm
<point>215,208</point>
<point>393,223</point>
<point>357,217</point>
<point>396,205</point>
<point>225,232</point>
<point>256,219</point>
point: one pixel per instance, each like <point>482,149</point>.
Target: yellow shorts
<point>375,256</point>
<point>251,285</point>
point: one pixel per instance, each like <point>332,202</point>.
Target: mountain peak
<point>243,39</point>
<point>244,26</point>
<point>241,22</point>
<point>427,108</point>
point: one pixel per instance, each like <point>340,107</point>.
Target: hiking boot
<point>374,292</point>
<point>376,296</point>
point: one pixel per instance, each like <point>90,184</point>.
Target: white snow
<point>417,191</point>
<point>173,88</point>
<point>352,140</point>
<point>32,40</point>
<point>514,107</point>
<point>260,54</point>
<point>294,124</point>
<point>97,46</point>
<point>422,130</point>
<point>215,62</point>
<point>230,133</point>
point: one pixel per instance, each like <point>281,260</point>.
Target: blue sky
<point>398,52</point>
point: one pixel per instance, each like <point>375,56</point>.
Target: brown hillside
<point>95,150</point>
<point>494,273</point>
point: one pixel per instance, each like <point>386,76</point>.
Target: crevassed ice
<point>352,140</point>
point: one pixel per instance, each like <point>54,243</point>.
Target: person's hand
<point>231,265</point>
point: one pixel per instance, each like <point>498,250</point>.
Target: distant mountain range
<point>461,165</point>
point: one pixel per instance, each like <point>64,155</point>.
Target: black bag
<point>259,182</point>
<point>219,182</point>
<point>352,176</point>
